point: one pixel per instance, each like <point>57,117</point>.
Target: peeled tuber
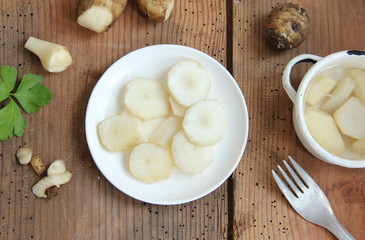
<point>54,57</point>
<point>288,25</point>
<point>156,10</point>
<point>99,15</point>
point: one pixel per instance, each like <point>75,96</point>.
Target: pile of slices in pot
<point>335,112</point>
<point>167,124</point>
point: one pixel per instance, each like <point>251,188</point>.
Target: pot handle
<point>286,73</point>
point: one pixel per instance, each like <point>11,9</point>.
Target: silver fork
<point>309,200</point>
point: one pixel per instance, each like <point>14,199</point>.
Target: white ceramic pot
<point>351,58</point>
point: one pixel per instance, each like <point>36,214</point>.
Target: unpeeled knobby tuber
<point>156,10</point>
<point>99,15</point>
<point>54,57</point>
<point>287,26</point>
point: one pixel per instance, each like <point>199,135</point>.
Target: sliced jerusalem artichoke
<point>339,95</point>
<point>119,132</point>
<point>324,130</point>
<point>189,82</point>
<point>205,122</point>
<point>148,127</point>
<point>57,176</point>
<point>157,137</point>
<point>359,76</point>
<point>54,57</point>
<point>166,131</point>
<point>177,108</point>
<point>189,157</point>
<point>99,15</point>
<point>350,118</point>
<point>319,89</point>
<point>156,10</point>
<point>150,163</point>
<point>147,99</point>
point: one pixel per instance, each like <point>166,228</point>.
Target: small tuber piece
<point>350,118</point>
<point>56,175</point>
<point>24,155</point>
<point>54,57</point>
<point>156,10</point>
<point>288,25</point>
<point>38,165</point>
<point>324,130</point>
<point>99,15</point>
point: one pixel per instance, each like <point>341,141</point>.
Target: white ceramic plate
<point>154,62</point>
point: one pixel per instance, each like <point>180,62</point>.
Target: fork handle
<point>339,231</point>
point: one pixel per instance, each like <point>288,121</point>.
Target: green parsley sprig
<point>30,94</point>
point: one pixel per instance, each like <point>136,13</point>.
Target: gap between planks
<point>229,66</point>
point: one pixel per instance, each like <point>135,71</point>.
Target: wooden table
<point>248,205</point>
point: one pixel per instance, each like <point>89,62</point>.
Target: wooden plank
<point>260,210</point>
<point>89,207</point>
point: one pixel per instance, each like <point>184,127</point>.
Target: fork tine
<point>303,174</point>
<point>284,189</point>
<point>296,178</point>
<point>291,184</point>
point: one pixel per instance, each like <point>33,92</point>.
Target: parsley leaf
<point>8,82</point>
<point>11,121</point>
<point>32,95</point>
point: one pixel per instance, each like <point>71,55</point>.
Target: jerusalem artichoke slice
<point>350,118</point>
<point>156,10</point>
<point>119,132</point>
<point>54,57</point>
<point>189,82</point>
<point>339,95</point>
<point>99,15</point>
<point>177,108</point>
<point>189,157</point>
<point>150,163</point>
<point>319,89</point>
<point>324,130</point>
<point>359,76</point>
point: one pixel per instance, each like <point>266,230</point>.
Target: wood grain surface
<point>248,205</point>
